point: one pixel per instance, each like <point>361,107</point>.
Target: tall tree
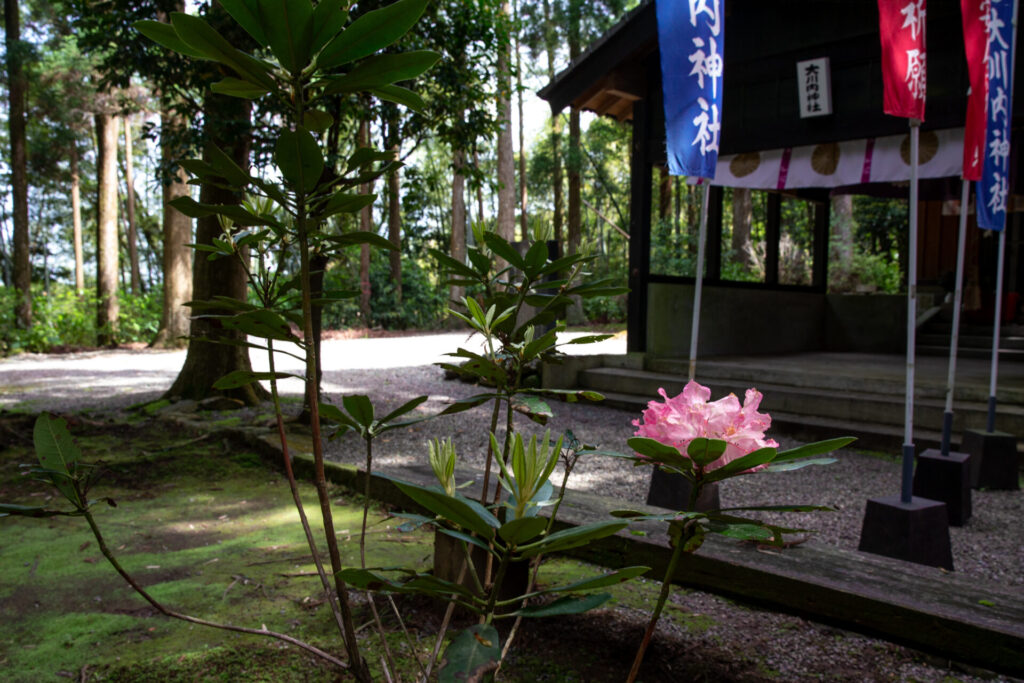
<point>132,232</point>
<point>523,221</point>
<point>366,225</point>
<point>17,89</point>
<point>457,242</point>
<point>76,220</point>
<point>107,249</point>
<point>742,218</point>
<point>394,210</point>
<point>506,157</point>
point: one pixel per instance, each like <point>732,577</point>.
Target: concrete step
<point>970,341</point>
<point>844,405</point>
<point>1012,355</point>
<point>766,373</point>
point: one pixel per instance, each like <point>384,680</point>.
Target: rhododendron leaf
<point>471,655</point>
<point>453,265</point>
<point>743,532</point>
<point>521,530</point>
<point>505,250</point>
<point>797,464</point>
<point>706,451</point>
<point>535,258</point>
<point>816,448</point>
<point>572,538</point>
<point>742,465</point>
<point>781,508</point>
<point>461,511</point>
<point>468,539</point>
<point>466,403</point>
<point>240,378</point>
<point>659,452</point>
<point>565,605</point>
<point>619,576</point>
<point>533,407</point>
<point>57,454</point>
<point>589,339</point>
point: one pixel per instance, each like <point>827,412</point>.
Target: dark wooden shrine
<point>620,76</point>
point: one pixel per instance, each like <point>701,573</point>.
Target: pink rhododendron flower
<point>678,421</point>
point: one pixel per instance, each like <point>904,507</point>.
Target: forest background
<point>98,116</point>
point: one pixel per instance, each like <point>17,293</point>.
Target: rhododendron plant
<point>678,421</point>
<point>707,441</point>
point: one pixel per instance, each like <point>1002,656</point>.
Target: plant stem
<point>359,667</point>
<point>485,494</point>
<point>666,587</point>
<point>294,486</point>
<point>195,620</point>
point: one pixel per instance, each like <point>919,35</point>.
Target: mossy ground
<point>212,531</point>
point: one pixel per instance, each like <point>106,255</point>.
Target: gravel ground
<point>393,370</point>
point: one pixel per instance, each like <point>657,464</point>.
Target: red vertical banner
<point>901,26</point>
<point>975,19</point>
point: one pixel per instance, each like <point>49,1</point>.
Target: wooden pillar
<point>640,199</point>
<point>772,235</point>
<point>713,248</point>
<point>819,272</point>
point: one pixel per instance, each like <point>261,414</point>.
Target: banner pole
<point>990,425</point>
<point>698,288</point>
<point>954,335</point>
<point>906,494</point>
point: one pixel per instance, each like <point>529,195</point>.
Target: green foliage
<point>62,319</point>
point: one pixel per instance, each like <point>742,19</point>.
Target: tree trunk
<point>458,237</point>
<point>395,218</point>
<point>575,315</point>
<point>227,124</point>
<point>129,181</point>
<point>479,190</point>
<point>524,231</point>
<point>840,272</point>
<point>76,221</point>
<point>664,194</point>
<point>551,47</point>
<point>365,224</point>
<point>18,88</point>
<point>107,309</point>
<point>506,158</point>
<point>742,217</point>
<point>177,258</point>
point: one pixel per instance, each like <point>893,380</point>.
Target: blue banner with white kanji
<point>994,186</point>
<point>691,39</point>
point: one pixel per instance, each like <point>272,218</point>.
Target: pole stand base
<point>672,491</point>
<point>946,478</point>
<point>917,531</point>
<point>994,462</point>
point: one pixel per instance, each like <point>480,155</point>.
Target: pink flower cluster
<point>680,420</point>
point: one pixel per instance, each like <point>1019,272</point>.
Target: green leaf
<point>522,530</point>
<point>534,407</point>
<point>406,407</point>
<point>333,413</point>
<point>536,257</point>
<point>382,70</point>
<point>601,581</point>
<point>363,237</point>
<point>419,583</point>
<point>659,453</point>
<point>299,158</point>
<point>165,35</point>
<point>798,464</point>
<point>56,451</point>
<point>466,403</point>
<point>572,538</point>
<point>360,408</point>
<point>329,17</point>
<point>742,465</point>
<point>703,451</point>
<point>816,448</point>
<point>589,339</point>
<point>400,95</point>
<point>743,532</point>
<point>502,248</point>
<point>236,87</point>
<point>456,509</point>
<point>236,213</point>
<point>371,32</point>
<point>247,14</point>
<point>365,156</point>
<point>317,120</point>
<point>565,605</point>
<point>343,202</point>
<point>473,540</point>
<point>200,36</point>
<point>261,323</point>
<point>471,655</point>
<point>8,509</point>
<point>289,30</point>
<point>240,378</point>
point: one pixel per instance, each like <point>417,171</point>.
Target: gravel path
<point>393,370</point>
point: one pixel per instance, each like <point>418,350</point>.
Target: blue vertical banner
<point>994,186</point>
<point>691,37</point>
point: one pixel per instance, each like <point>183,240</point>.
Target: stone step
<point>807,402</point>
<point>970,341</point>
<point>1012,355</point>
<point>880,383</point>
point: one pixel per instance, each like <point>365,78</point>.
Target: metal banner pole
<point>698,289</point>
<point>954,335</point>
<point>906,494</point>
<point>990,425</point>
